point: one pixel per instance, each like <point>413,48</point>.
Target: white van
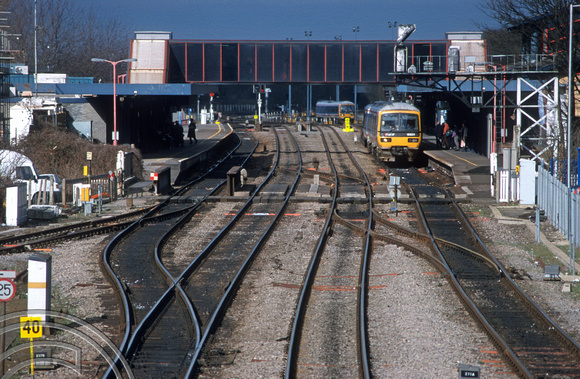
<point>56,186</point>
<point>20,169</point>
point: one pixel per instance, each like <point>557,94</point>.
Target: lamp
<point>114,90</point>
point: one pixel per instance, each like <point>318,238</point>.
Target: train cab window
<point>347,109</point>
<point>410,121</point>
<point>389,122</point>
<point>399,122</point>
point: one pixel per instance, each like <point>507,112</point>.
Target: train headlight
<point>413,140</point>
<point>385,140</point>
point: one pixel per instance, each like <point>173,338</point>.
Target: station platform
<point>181,159</point>
<point>469,170</point>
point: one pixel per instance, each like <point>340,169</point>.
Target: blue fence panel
<point>553,200</point>
<point>559,169</point>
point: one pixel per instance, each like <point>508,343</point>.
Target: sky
<point>290,19</point>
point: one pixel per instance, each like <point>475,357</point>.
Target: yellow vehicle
<point>337,111</point>
<point>392,130</point>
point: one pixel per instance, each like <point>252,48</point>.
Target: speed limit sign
<point>7,289</point>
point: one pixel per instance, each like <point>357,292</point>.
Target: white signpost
<point>7,292</point>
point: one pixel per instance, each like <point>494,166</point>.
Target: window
<point>399,122</point>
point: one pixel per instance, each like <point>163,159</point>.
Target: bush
<point>54,150</point>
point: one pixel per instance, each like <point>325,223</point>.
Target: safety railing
<point>560,205</point>
<point>479,64</point>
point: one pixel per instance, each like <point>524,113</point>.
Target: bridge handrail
<point>464,63</point>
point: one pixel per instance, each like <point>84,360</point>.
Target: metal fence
<point>559,169</point>
<point>561,207</point>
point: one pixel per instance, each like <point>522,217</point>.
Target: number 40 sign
<point>30,327</point>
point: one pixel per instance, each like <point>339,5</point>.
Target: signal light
<point>259,88</point>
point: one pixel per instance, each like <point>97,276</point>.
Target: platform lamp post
<point>392,26</point>
<point>569,137</point>
<point>114,91</point>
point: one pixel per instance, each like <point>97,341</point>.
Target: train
<point>336,110</point>
<point>392,131</point>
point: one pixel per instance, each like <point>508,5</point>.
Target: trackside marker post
<point>7,292</point>
<point>31,327</point>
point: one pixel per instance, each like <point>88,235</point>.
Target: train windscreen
<point>347,109</point>
<point>399,122</point>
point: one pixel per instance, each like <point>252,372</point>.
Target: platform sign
<point>468,371</point>
<point>7,289</point>
<point>8,274</point>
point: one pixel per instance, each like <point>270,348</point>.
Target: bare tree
<point>541,26</point>
<point>69,33</point>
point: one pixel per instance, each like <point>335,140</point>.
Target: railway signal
<point>259,88</point>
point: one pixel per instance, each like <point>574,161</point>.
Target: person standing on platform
<point>439,134</point>
<point>178,134</point>
<point>191,132</point>
<point>464,137</point>
<point>457,136</point>
<point>447,133</point>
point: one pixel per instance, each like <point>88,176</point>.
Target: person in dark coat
<point>457,136</point>
<point>464,137</point>
<point>177,133</point>
<point>439,134</point>
<point>191,131</point>
<point>447,133</point>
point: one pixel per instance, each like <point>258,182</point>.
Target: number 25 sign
<point>7,289</point>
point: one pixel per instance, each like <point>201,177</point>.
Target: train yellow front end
<point>392,131</point>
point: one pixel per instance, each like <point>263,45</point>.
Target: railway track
<point>187,307</point>
<point>147,290</point>
<point>331,309</point>
<point>184,298</point>
<point>47,237</point>
<point>214,277</point>
<point>532,344</point>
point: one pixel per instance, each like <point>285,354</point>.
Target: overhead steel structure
<point>535,106</point>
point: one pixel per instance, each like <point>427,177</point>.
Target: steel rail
<point>362,293</point>
<point>306,288</point>
<point>427,238</point>
<point>15,244</point>
<point>561,335</point>
<point>394,241</point>
<point>235,282</point>
<point>157,309</point>
<point>127,312</point>
<point>502,347</point>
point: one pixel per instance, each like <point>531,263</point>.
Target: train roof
<point>333,102</point>
<point>389,106</point>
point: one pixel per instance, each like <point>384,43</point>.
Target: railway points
<point>457,164</point>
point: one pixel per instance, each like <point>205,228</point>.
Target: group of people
<point>171,136</point>
<point>451,137</point>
